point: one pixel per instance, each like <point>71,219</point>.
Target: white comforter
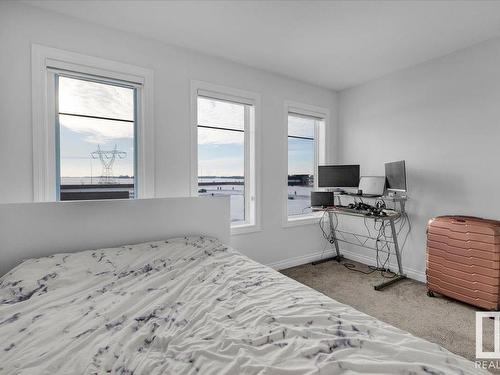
<point>191,306</point>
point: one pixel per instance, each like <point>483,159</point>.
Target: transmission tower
<point>107,159</point>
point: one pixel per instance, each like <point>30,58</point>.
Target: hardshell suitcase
<point>463,259</point>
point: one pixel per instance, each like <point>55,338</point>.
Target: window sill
<point>244,229</point>
<point>299,220</point>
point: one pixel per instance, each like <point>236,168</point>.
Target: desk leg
<point>337,257</point>
<point>400,276</point>
<point>396,247</point>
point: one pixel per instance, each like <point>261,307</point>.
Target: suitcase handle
<point>462,219</point>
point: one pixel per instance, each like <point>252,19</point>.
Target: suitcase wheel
<point>430,293</point>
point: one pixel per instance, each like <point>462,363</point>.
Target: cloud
<point>301,126</point>
<point>83,97</point>
<point>98,131</point>
<point>221,114</point>
<point>219,137</point>
<point>96,99</point>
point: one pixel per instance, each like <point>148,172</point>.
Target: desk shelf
<point>340,211</point>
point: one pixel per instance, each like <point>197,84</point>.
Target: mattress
<point>191,306</point>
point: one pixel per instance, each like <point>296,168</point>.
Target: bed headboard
<point>29,230</point>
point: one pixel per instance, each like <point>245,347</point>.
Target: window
<point>95,138</point>
<point>92,127</point>
<point>226,150</point>
<point>306,149</point>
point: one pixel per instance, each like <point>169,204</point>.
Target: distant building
<point>300,180</point>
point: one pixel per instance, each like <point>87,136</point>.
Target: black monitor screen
<point>338,176</point>
<point>395,174</point>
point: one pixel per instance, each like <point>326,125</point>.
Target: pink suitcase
<point>463,259</point>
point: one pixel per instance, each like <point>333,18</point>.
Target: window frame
<point>252,147</point>
<point>45,61</point>
<point>53,90</point>
<point>320,155</point>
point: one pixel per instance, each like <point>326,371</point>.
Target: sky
<point>79,137</point>
<point>220,152</point>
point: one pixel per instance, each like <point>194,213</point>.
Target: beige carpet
<point>404,305</point>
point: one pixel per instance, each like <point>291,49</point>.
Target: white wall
<point>174,68</point>
<point>443,118</point>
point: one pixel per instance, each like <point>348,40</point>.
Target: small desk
<point>391,217</point>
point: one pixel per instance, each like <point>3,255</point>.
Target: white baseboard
<point>311,257</point>
<point>301,259</point>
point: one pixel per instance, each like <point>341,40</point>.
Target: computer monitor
<point>322,199</point>
<point>372,185</point>
<point>395,173</point>
<point>338,176</point>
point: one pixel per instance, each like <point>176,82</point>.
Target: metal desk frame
<point>391,218</point>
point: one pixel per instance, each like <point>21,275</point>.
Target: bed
<point>191,305</point>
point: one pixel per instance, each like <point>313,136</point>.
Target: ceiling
<point>334,44</point>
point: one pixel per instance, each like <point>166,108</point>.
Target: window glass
<point>96,140</point>
<point>78,96</point>
<point>301,163</point>
<point>221,153</point>
<point>217,113</point>
<point>299,126</point>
